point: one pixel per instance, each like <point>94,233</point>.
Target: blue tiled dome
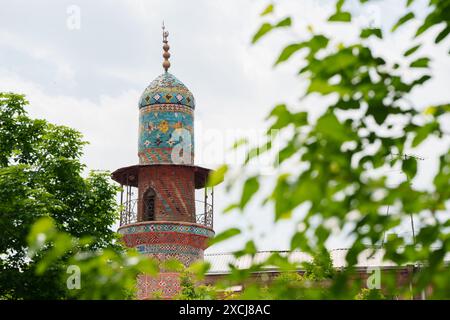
<point>166,89</point>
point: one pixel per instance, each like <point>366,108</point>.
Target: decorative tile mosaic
<point>167,284</point>
<point>164,130</point>
<point>168,249</point>
<point>193,240</point>
<point>166,88</point>
<point>167,107</point>
<point>185,259</point>
<point>167,227</point>
<point>164,241</point>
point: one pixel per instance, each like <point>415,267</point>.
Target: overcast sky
<point>91,78</point>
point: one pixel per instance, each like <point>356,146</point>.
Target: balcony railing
<point>128,213</point>
<point>203,215</point>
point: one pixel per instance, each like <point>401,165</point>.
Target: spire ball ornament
<point>166,47</point>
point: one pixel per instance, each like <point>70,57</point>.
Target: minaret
<point>159,215</point>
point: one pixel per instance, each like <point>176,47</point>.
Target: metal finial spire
<point>166,47</point>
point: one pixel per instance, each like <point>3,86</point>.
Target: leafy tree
<point>321,268</point>
<point>192,291</point>
<point>370,294</point>
<point>41,175</point>
<point>285,286</point>
<point>103,273</point>
<point>337,178</point>
<point>312,283</point>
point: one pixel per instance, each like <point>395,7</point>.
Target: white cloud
<point>109,125</point>
<point>39,54</point>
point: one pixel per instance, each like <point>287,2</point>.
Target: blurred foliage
<point>192,291</point>
<point>321,268</point>
<point>289,284</point>
<point>104,273</point>
<point>311,283</point>
<point>370,294</point>
<point>343,158</point>
<point>41,175</point>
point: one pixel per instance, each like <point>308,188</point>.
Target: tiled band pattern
<point>164,241</point>
<point>165,285</point>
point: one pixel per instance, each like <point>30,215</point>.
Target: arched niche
<point>149,199</point>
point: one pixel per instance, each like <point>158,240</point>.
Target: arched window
<point>149,205</point>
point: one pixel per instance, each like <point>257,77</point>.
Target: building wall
<point>400,275</point>
<point>175,192</point>
<point>163,241</point>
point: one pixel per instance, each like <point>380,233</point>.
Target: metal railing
<point>203,213</point>
<point>128,213</point>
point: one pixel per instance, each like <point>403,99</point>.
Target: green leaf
<point>422,80</point>
<point>403,20</point>
<point>148,266</point>
<point>431,20</point>
<point>199,268</point>
<point>442,35</point>
<point>264,29</point>
<point>378,110</point>
<point>438,110</point>
<point>409,167</point>
<point>267,10</point>
<point>41,232</point>
<point>300,119</point>
<point>368,32</point>
<point>316,43</point>
<point>230,207</point>
<point>287,152</point>
<point>239,142</point>
<point>339,5</point>
<point>286,22</point>
<point>321,86</point>
<point>267,27</point>
<point>225,235</point>
<point>289,51</point>
<point>173,265</point>
<point>283,116</point>
<point>347,104</point>
<point>420,63</point>
<point>423,132</point>
<point>217,176</point>
<point>411,50</point>
<point>331,128</point>
<point>299,241</point>
<point>251,186</point>
<point>341,16</point>
<point>249,249</point>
